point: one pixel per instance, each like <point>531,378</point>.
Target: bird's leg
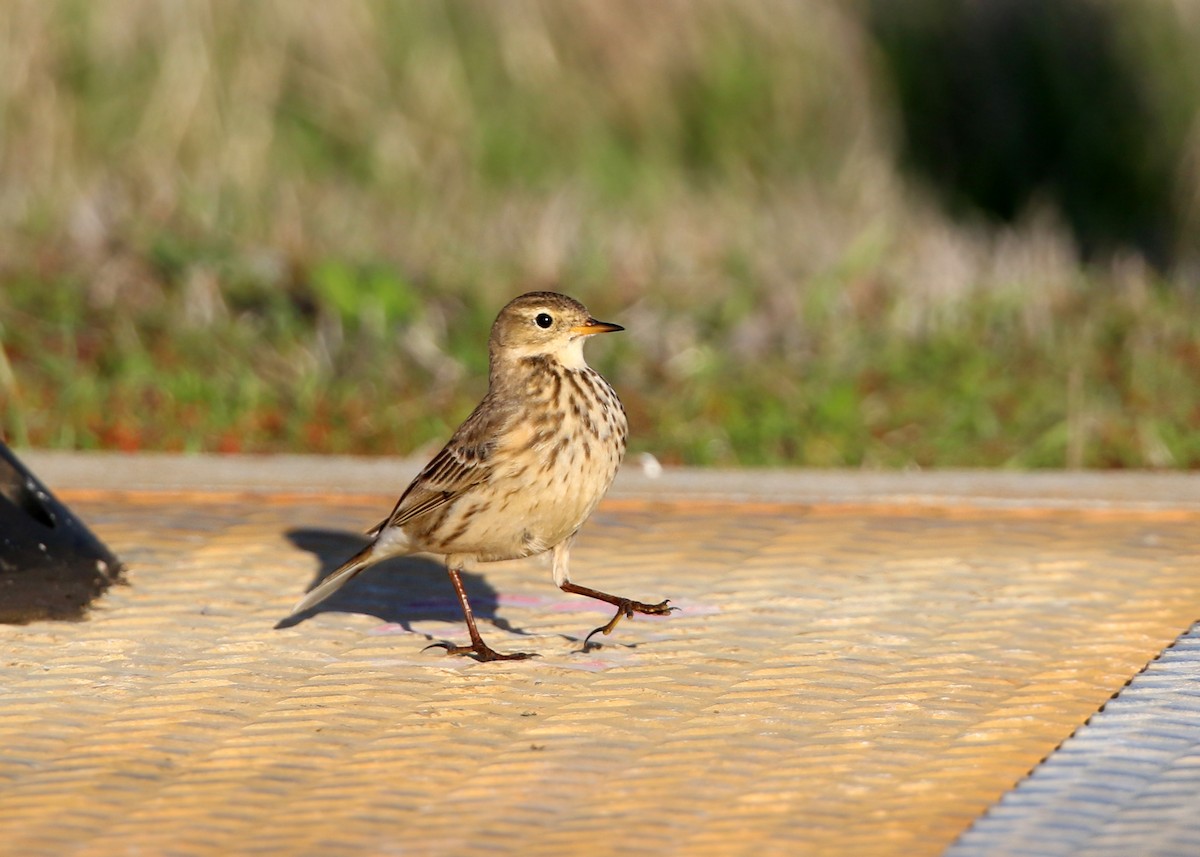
<point>625,607</point>
<point>480,650</point>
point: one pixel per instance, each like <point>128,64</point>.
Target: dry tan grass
<point>721,173</point>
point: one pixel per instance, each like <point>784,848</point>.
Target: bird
<point>522,473</point>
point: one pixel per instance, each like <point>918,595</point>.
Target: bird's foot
<point>626,607</point>
<point>480,651</point>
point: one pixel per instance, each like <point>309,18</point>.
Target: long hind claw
<point>626,607</point>
<point>481,652</point>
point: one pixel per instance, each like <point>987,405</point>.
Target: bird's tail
<point>347,572</point>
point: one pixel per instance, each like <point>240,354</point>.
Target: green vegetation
<point>287,227</point>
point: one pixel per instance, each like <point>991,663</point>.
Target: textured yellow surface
<point>838,680</point>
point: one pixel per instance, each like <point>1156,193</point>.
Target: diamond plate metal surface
<point>1128,782</point>
<point>853,679</point>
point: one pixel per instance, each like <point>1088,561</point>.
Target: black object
<point>1009,103</point>
<point>51,565</point>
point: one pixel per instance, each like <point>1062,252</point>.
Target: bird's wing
<point>464,462</point>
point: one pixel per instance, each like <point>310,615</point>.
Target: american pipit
<point>524,471</point>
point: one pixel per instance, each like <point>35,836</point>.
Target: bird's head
<point>544,324</point>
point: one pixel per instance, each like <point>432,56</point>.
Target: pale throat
<point>571,354</point>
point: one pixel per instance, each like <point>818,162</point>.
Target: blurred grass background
<point>862,234</point>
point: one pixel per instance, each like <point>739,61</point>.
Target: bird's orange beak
<point>593,326</point>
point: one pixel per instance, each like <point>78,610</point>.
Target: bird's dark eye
<point>544,320</point>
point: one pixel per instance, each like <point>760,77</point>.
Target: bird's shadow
<point>398,591</point>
